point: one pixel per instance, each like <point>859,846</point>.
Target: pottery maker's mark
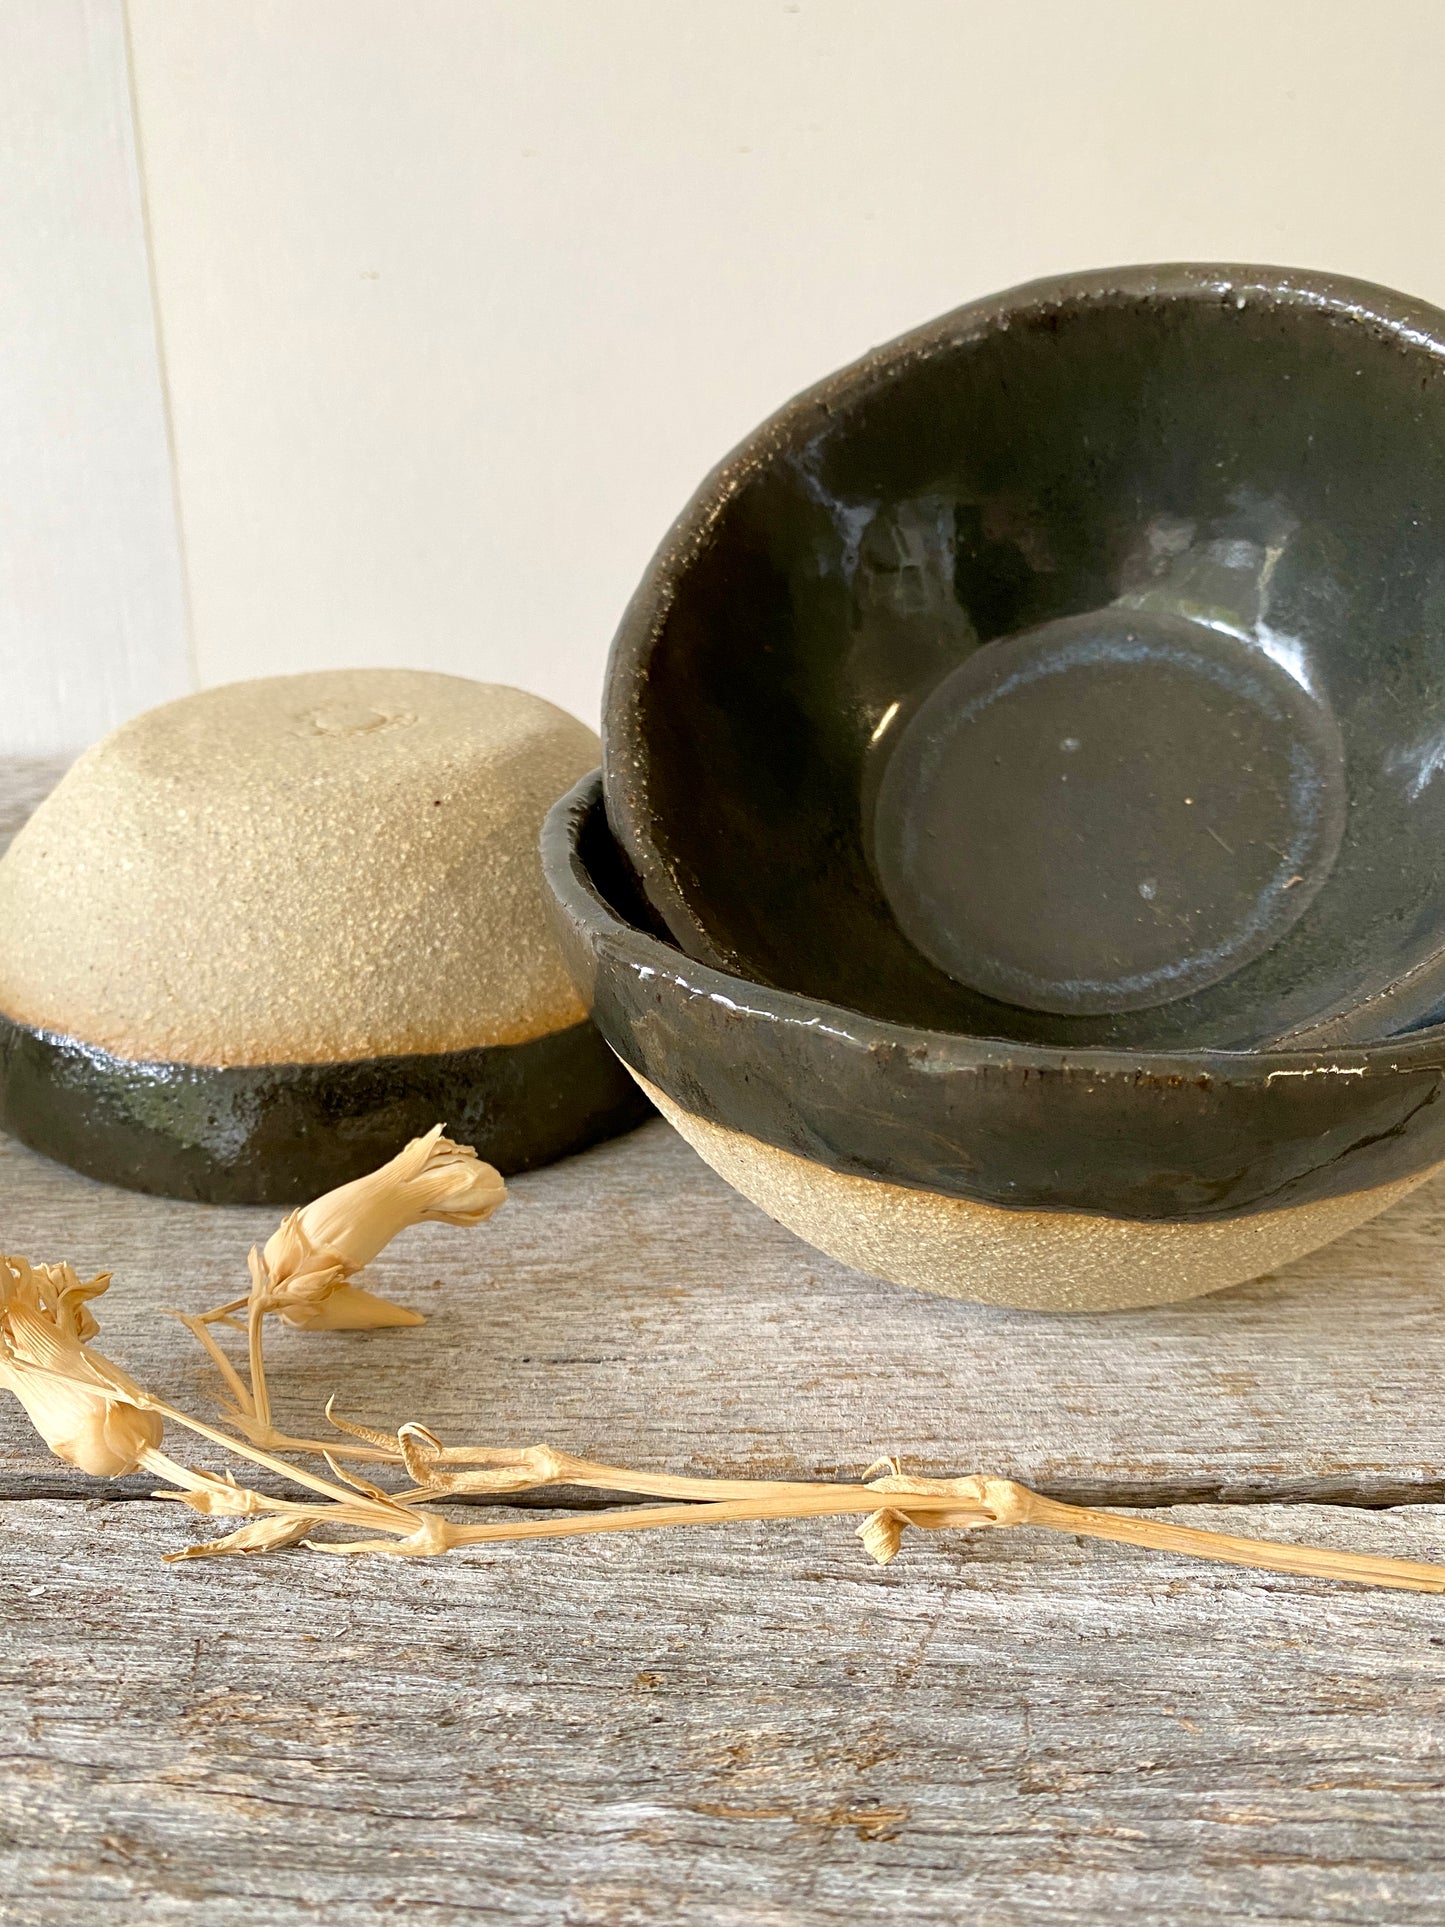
<point>352,719</point>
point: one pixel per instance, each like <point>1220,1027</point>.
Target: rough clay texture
<point>300,869</point>
<point>1035,1260</point>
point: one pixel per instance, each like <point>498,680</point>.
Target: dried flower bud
<point>882,1534</point>
<point>217,1498</point>
<point>316,1250</point>
<point>347,1308</point>
<point>84,1407</point>
<point>269,1534</point>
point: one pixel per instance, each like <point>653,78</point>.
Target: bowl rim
<point>638,950</point>
<point>1418,325</point>
<point>1151,1136</point>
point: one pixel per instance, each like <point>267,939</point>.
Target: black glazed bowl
<point>1010,1173</point>
<point>1070,670</point>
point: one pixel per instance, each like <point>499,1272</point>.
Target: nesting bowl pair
<point>1017,861</point>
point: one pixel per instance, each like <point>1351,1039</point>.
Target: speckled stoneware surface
<point>258,937</point>
<point>298,870</point>
<point>1061,1261</point>
<point>1069,670</point>
<point>1315,1141</point>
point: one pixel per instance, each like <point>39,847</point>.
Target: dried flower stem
<point>198,1328</point>
<point>1082,1521</point>
<point>1313,1562</point>
<point>930,1504</point>
<point>960,1503</point>
<point>260,1304</point>
<point>94,1415</point>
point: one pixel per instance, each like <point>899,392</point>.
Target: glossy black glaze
<point>282,1133</point>
<point>1211,1134</point>
<point>1259,450</point>
<point>1034,848</point>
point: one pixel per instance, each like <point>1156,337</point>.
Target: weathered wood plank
<point>628,1306</point>
<point>729,1726</point>
<point>24,782</point>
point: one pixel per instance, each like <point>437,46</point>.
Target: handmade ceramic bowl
<point>1014,1174</point>
<point>258,938</point>
<point>1071,670</point>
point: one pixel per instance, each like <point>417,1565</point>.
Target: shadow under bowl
<point>1070,670</point>
<point>1013,1174</point>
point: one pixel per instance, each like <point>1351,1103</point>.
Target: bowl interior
<point>1226,484</point>
<point>1186,1135</point>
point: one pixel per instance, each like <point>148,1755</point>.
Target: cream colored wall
<point>460,298</point>
<point>92,615</point>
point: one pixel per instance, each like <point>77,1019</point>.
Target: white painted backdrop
<point>457,299</point>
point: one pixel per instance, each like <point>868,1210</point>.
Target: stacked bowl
<point>1018,862</point>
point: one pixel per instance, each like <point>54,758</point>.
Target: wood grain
<point>744,1726</point>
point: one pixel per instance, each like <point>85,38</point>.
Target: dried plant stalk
<point>94,1415</point>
